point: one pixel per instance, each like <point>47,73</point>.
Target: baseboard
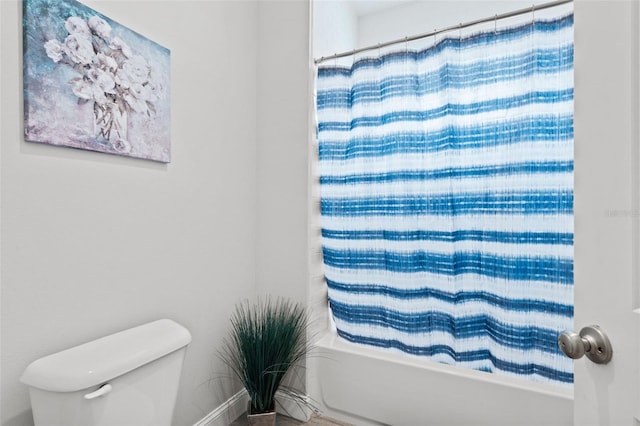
<point>226,413</point>
<point>235,406</point>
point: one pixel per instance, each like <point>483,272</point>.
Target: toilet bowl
<point>128,378</point>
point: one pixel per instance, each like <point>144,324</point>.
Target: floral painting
<point>91,83</point>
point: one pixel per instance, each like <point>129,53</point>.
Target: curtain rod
<point>460,26</point>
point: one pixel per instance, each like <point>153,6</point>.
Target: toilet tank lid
<point>104,359</point>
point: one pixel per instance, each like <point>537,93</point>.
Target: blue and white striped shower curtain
<point>446,182</point>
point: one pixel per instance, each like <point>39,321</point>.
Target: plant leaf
<point>266,341</point>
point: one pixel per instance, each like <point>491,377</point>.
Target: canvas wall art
<point>91,83</point>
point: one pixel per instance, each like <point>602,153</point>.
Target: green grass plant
<point>267,339</point>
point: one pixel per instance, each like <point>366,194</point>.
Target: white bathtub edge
<point>330,341</point>
<point>370,386</point>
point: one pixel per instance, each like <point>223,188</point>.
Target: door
<point>606,207</point>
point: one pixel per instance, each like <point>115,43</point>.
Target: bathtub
<point>369,386</point>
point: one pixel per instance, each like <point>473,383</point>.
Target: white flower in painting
<point>157,90</point>
<point>137,97</point>
<point>83,89</point>
<point>134,71</point>
<point>55,50</point>
<point>152,92</point>
<point>79,49</point>
<point>155,87</point>
<point>104,80</point>
<point>77,25</point>
<point>122,145</point>
<point>106,62</point>
<point>116,43</point>
<point>100,27</point>
<point>95,86</point>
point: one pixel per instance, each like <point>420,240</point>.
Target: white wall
<point>335,25</point>
<point>282,139</point>
<point>423,16</point>
<point>93,243</point>
<point>344,25</point>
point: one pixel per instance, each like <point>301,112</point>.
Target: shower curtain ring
<point>533,13</point>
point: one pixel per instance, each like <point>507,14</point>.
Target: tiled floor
<point>288,421</point>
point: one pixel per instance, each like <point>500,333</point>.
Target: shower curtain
<point>446,180</point>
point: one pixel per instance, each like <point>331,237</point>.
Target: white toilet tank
<point>128,378</point>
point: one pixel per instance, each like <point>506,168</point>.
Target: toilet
<point>128,378</point>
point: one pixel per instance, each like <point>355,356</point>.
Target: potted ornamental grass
<point>267,341</point>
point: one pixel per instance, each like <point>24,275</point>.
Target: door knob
<point>591,342</point>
